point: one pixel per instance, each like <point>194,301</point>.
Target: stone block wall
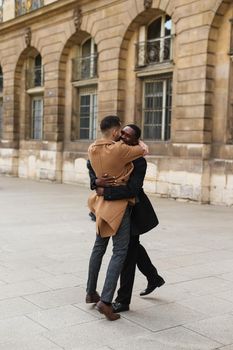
<point>195,164</point>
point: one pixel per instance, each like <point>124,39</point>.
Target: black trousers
<point>136,255</point>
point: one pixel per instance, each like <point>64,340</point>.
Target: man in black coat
<point>143,219</point>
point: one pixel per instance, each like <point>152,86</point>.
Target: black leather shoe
<point>119,307</point>
<point>152,286</point>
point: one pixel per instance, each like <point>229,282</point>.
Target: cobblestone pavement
<point>45,241</point>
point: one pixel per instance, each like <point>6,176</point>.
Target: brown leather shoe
<point>107,310</point>
<point>92,298</point>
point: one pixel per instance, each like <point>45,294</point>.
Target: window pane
<point>84,122</point>
<point>38,61</point>
<point>86,48</point>
<point>167,49</point>
<point>38,71</point>
<point>158,44</point>
<point>84,116</point>
<point>168,25</point>
<point>154,29</point>
<point>157,110</point>
<point>168,110</point>
<point>94,116</point>
<point>88,116</point>
<point>37,118</point>
<point>84,134</point>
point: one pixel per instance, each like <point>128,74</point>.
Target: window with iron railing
<point>85,66</point>
<point>35,75</point>
<point>25,6</point>
<point>157,46</point>
<point>157,105</point>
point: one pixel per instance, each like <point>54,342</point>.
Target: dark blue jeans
<point>119,252</point>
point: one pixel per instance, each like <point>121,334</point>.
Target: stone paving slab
<point>46,237</point>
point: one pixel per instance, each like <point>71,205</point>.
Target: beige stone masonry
<point>195,163</point>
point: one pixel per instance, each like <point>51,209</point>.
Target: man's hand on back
<point>99,191</point>
<point>144,147</point>
<point>105,181</point>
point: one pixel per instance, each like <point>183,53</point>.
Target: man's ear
<point>115,132</point>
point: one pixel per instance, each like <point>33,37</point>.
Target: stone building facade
<point>166,65</point>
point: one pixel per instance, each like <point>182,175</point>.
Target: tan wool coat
<point>114,159</point>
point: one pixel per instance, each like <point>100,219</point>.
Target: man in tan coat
<point>112,218</point>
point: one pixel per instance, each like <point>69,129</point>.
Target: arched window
<point>35,95</point>
<point>159,40</point>
<point>85,65</point>
<point>84,81</point>
<point>35,76</point>
<point>155,42</point>
<point>38,71</point>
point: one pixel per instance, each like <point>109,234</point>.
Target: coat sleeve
<point>129,153</point>
<point>134,185</point>
<point>91,175</point>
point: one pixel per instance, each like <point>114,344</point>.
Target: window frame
<point>166,107</point>
<point>93,108</point>
<point>32,118</point>
<point>33,72</point>
<point>81,60</point>
<point>143,43</point>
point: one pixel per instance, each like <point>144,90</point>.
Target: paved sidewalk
<point>45,241</point>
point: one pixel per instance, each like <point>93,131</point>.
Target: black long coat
<point>143,217</point>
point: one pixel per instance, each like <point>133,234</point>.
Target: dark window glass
<point>38,71</point>
<point>87,116</point>
<point>37,118</point>
<point>154,29</point>
<point>157,109</point>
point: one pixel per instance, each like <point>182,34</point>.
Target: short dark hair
<point>136,129</point>
<point>109,122</point>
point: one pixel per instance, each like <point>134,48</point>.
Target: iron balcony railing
<point>34,77</point>
<point>84,68</point>
<point>154,51</point>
